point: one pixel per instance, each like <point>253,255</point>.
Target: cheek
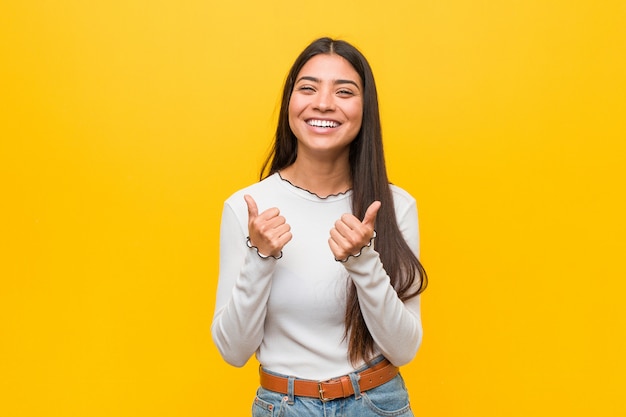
<point>293,113</point>
<point>295,106</point>
<point>357,115</point>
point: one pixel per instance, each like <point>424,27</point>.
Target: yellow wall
<point>124,124</point>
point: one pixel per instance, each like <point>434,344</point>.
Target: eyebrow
<point>317,80</point>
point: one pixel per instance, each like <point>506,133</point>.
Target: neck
<point>323,179</point>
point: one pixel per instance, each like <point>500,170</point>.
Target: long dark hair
<point>369,183</point>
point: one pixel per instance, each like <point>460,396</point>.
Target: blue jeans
<point>389,399</point>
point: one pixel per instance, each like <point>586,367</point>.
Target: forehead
<point>329,67</point>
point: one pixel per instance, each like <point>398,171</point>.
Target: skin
<point>268,231</point>
<point>350,234</point>
<point>327,91</point>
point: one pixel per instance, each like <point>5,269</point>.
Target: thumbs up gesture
<point>350,234</point>
<point>268,231</point>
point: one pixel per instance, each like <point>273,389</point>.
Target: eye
<point>345,93</point>
<point>305,89</point>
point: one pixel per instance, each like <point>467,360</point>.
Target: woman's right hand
<point>268,231</point>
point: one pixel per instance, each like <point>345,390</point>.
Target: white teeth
<point>322,123</point>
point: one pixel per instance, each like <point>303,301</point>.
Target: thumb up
<point>350,234</point>
<point>268,231</point>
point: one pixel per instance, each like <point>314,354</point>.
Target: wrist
<point>258,252</point>
<point>369,244</point>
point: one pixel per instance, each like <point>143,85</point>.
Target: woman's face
<point>326,105</point>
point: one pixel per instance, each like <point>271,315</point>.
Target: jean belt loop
<point>354,378</point>
<point>290,390</point>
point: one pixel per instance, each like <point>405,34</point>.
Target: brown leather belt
<point>332,389</point>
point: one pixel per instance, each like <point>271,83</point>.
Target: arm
<point>243,289</point>
<point>394,325</point>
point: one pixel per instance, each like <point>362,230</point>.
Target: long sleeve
<point>395,326</point>
<point>290,312</point>
<point>244,287</point>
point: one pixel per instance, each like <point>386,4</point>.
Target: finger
<point>284,239</point>
<point>274,234</point>
<point>338,252</point>
<point>253,210</point>
<point>281,238</point>
<point>339,239</point>
<point>270,213</point>
<point>350,221</point>
<point>282,228</point>
<point>334,248</point>
<point>266,226</point>
<point>272,222</point>
<point>344,228</point>
<point>370,215</point>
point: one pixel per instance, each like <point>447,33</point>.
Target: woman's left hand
<point>350,234</point>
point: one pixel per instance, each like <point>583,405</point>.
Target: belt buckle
<point>320,389</point>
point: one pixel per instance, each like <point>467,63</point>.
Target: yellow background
<point>124,124</point>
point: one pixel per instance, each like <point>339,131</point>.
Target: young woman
<point>319,272</point>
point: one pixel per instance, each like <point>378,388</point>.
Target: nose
<point>324,100</point>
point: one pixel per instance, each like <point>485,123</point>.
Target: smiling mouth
<point>322,123</point>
